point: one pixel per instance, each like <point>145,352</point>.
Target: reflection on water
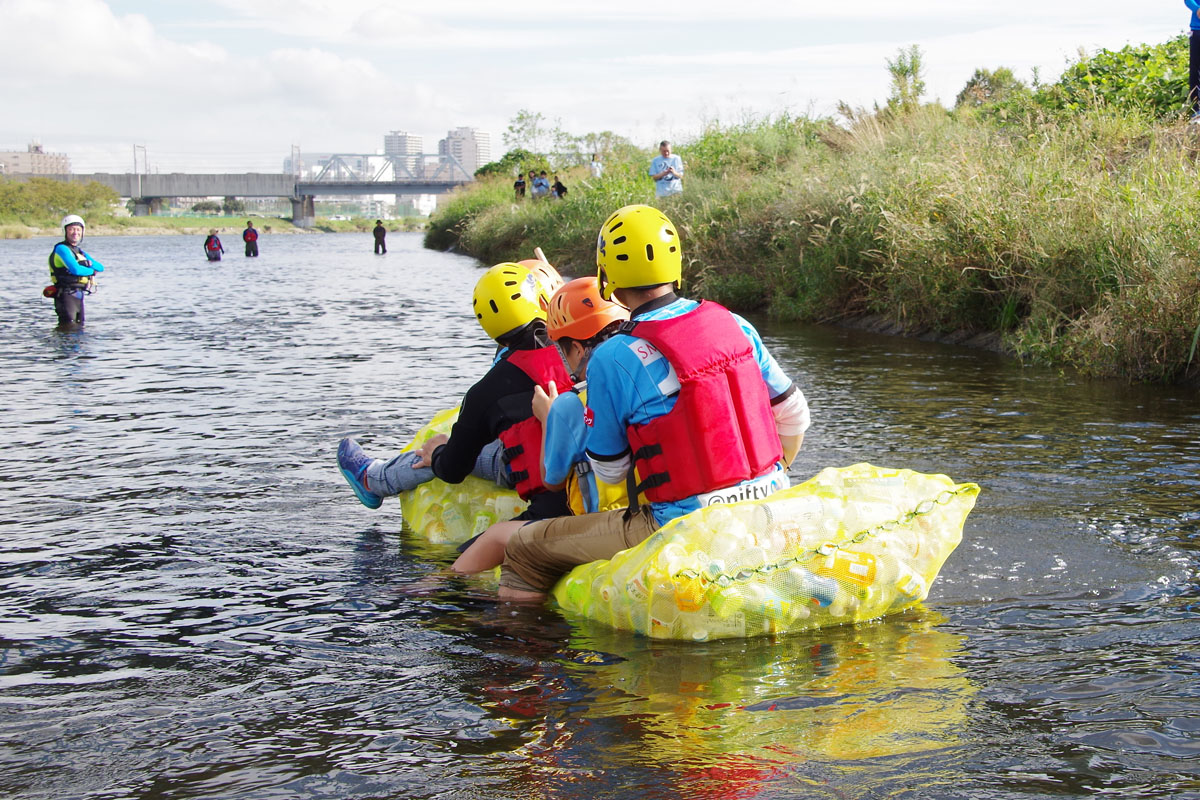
<point>195,606</point>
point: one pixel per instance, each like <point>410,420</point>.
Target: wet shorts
<point>541,552</point>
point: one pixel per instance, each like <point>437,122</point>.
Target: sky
<point>233,85</point>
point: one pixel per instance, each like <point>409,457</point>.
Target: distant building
<point>406,149</point>
<point>34,161</point>
<point>472,148</point>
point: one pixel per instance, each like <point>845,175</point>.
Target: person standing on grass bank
<point>519,187</point>
<point>73,271</point>
<point>380,234</point>
<point>212,246</point>
<point>250,237</point>
<point>667,171</point>
<point>1194,61</point>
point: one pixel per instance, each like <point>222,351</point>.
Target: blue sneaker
<point>353,463</point>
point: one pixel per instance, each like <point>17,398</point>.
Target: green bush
<point>1148,78</point>
<point>44,201</point>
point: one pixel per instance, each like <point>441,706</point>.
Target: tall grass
<point>1073,236</point>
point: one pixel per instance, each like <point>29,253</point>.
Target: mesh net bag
<point>850,544</point>
<point>446,513</point>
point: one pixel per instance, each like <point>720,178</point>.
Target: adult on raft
<point>510,304</point>
<point>72,270</point>
<point>686,393</point>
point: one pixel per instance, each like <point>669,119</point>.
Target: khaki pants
<point>541,552</point>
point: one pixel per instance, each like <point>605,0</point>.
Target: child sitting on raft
<point>510,304</point>
<point>578,321</point>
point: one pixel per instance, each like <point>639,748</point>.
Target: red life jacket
<point>213,245</point>
<point>523,440</point>
<point>250,235</point>
<point>720,431</point>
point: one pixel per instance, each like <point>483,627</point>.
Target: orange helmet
<point>545,272</point>
<point>579,312</point>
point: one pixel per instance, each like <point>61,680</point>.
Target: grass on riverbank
<point>1072,236</point>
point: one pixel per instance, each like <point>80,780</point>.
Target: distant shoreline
<point>175,226</point>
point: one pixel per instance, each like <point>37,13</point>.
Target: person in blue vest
<point>212,246</point>
<point>250,237</point>
<point>1194,60</point>
<point>685,392</point>
<point>73,272</point>
<point>510,303</point>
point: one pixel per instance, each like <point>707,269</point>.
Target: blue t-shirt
<point>566,437</point>
<point>667,184</point>
<point>566,433</point>
<point>1193,5</point>
<point>631,382</point>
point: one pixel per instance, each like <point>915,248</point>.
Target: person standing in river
<point>250,237</point>
<point>73,271</point>
<point>380,234</point>
<point>212,246</point>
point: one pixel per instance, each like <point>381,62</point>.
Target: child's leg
<point>487,551</point>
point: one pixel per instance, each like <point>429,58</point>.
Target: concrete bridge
<point>147,191</point>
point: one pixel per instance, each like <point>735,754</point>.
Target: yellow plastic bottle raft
<point>850,544</point>
<point>450,514</point>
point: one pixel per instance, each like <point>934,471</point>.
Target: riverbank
<point>200,226</point>
<point>1062,239</point>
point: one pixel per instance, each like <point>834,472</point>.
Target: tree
<point>231,206</point>
<point>908,82</point>
<point>207,207</point>
<point>512,162</point>
<point>987,86</point>
<point>526,131</point>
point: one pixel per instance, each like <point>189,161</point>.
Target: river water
<point>193,604</point>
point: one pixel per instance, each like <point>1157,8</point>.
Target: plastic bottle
<point>690,593</point>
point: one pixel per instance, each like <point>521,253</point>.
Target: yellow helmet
<point>507,298</point>
<point>637,247</point>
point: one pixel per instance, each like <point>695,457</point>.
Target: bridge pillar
<point>304,212</point>
<point>145,206</point>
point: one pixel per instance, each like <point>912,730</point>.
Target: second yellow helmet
<point>637,246</point>
<point>507,298</point>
